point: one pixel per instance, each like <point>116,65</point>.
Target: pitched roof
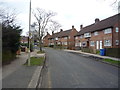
<point>61,34</point>
<point>103,24</point>
<point>54,35</point>
<point>64,33</point>
<point>46,35</point>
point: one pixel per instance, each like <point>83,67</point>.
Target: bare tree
<point>7,16</point>
<point>43,18</point>
<point>54,26</point>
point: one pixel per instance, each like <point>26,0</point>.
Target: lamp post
<point>29,33</point>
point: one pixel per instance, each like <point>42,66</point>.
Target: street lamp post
<point>29,33</point>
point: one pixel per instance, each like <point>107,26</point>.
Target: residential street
<point>71,70</point>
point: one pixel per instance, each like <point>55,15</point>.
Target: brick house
<point>45,40</point>
<point>99,35</point>
<point>24,39</point>
<point>64,38</point>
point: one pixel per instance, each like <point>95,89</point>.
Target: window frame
<point>117,29</point>
<point>92,43</point>
<point>108,30</point>
<point>117,43</point>
<point>108,43</point>
<point>96,33</point>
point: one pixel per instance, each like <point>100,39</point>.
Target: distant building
<point>24,39</point>
<point>45,40</point>
<point>63,38</point>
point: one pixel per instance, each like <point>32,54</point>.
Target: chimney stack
<point>72,26</point>
<point>52,32</point>
<point>61,30</point>
<point>81,27</point>
<point>97,20</point>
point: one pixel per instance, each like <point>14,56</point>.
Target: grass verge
<point>112,61</point>
<point>36,61</point>
<point>40,52</point>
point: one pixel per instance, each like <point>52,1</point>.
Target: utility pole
<point>29,33</point>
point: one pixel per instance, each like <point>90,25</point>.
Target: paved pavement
<point>16,75</point>
<point>71,70</point>
<point>90,54</point>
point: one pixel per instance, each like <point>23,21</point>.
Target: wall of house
<point>46,41</point>
<point>101,37</point>
<point>116,36</point>
<point>71,39</point>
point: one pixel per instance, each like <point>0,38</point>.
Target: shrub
<point>7,57</point>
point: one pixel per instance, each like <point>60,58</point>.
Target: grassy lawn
<point>40,52</point>
<point>36,61</point>
<point>112,61</point>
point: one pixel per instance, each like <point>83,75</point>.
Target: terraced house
<point>63,38</point>
<point>45,40</point>
<point>99,35</point>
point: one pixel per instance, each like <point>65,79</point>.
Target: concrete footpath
<point>17,75</point>
<point>95,55</point>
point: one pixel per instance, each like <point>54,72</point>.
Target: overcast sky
<point>69,12</point>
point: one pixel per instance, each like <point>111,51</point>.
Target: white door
<point>97,45</point>
<point>100,44</point>
<point>80,44</point>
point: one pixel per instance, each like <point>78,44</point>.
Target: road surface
<point>69,70</point>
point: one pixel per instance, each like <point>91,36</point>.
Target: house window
<point>117,42</point>
<point>76,37</point>
<point>52,43</point>
<point>107,42</point>
<point>87,35</point>
<point>81,36</point>
<point>69,37</point>
<point>65,37</point>
<point>95,33</point>
<point>116,29</point>
<point>77,44</point>
<point>108,30</point>
<point>65,43</point>
<point>59,43</point>
<point>92,43</point>
<point>56,38</point>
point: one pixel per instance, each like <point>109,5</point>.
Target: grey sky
<point>69,12</point>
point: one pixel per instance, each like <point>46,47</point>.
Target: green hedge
<point>88,50</point>
<point>113,52</point>
<point>7,57</point>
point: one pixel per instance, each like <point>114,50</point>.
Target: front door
<point>100,44</point>
<point>97,44</point>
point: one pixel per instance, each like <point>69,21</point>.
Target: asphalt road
<point>69,70</point>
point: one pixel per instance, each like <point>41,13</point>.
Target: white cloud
<point>70,12</point>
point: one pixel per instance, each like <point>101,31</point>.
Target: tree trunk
<point>40,44</point>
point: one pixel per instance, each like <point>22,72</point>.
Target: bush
<point>88,50</point>
<point>7,57</point>
<point>51,46</point>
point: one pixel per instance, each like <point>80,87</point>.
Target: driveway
<point>69,70</point>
